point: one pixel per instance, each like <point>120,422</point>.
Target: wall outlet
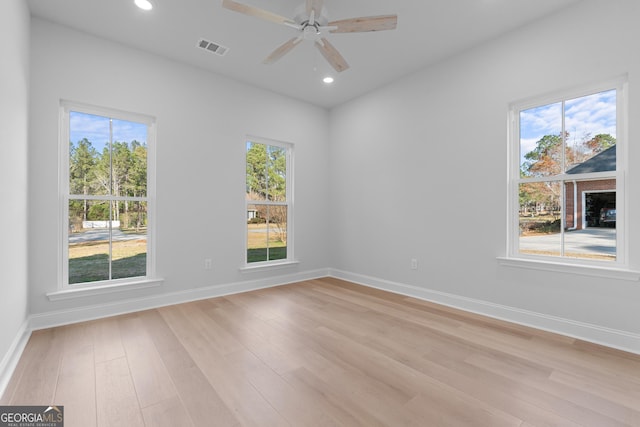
<point>414,264</point>
<point>208,264</point>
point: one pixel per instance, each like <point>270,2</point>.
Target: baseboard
<point>613,338</point>
<point>11,358</point>
<point>81,314</point>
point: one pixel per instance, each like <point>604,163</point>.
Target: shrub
<point>541,226</point>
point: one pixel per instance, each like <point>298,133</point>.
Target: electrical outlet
<point>208,264</point>
<point>414,264</point>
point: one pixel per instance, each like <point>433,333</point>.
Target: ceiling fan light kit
<point>311,24</point>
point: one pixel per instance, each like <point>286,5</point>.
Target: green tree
<point>136,185</point>
<point>121,170</point>
<point>257,171</point>
<point>102,172</point>
<point>82,162</point>
<point>600,142</point>
<point>267,172</point>
<point>277,173</point>
<point>546,158</point>
<point>121,160</point>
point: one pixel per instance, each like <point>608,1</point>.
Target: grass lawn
<point>260,254</point>
<point>89,261</point>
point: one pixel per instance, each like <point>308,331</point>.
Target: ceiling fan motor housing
<point>310,32</point>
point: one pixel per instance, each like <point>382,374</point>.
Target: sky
<point>586,116</point>
<point>96,130</point>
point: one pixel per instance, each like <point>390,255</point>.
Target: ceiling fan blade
<point>332,55</point>
<point>365,23</point>
<point>256,12</point>
<point>282,50</point>
<point>315,6</point>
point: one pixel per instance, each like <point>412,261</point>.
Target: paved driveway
<point>97,234</point>
<point>600,241</point>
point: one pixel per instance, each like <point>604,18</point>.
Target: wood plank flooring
<point>322,353</point>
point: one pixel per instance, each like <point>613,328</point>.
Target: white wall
<point>419,170</point>
<point>14,97</point>
<point>202,120</point>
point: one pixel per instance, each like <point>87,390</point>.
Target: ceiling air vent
<point>212,47</point>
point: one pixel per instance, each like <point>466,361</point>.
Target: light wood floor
<point>322,353</point>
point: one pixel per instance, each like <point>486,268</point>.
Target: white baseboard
<point>11,358</point>
<point>618,339</point>
<point>81,314</point>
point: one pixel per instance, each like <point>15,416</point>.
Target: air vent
<point>212,47</point>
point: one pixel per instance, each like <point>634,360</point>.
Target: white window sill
<point>584,270</point>
<point>86,291</point>
<point>268,265</point>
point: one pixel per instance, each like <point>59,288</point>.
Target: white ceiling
<point>428,31</point>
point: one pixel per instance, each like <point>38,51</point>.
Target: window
<point>567,164</point>
<point>106,184</point>
<point>268,202</point>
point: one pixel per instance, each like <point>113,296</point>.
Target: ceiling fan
<point>311,23</point>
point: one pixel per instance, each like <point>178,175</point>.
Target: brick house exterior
<point>584,199</point>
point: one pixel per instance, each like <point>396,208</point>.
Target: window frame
<point>289,149</point>
<point>65,289</point>
<point>513,255</point>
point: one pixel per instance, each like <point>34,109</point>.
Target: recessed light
<point>328,80</point>
<point>144,4</point>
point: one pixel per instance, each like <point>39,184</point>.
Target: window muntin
<point>567,174</point>
<point>268,201</point>
<point>106,181</point>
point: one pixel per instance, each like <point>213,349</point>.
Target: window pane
<point>257,233</point>
<point>277,170</point>
<point>256,171</point>
<point>541,141</point>
<point>540,220</point>
<point>88,241</point>
<point>266,233</point>
<point>266,172</point>
<point>585,201</point>
<point>277,232</point>
<point>540,224</point>
<point>89,156</point>
<point>590,123</point>
<point>593,233</point>
<point>129,242</point>
<point>107,157</point>
<point>129,153</point>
